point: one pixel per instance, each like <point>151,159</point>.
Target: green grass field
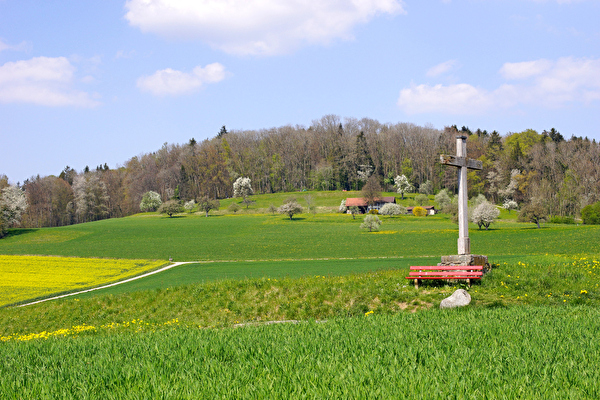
<point>528,353</point>
<point>267,237</point>
<point>529,331</point>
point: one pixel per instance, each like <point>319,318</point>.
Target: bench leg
<point>416,283</point>
<point>469,282</point>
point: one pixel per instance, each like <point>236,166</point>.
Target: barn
<point>364,207</point>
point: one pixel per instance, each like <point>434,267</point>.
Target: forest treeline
<point>331,154</point>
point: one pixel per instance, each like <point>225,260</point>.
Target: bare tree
<point>371,191</point>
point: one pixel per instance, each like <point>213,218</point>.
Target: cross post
<point>463,163</point>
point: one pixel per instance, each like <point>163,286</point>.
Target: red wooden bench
<point>467,272</point>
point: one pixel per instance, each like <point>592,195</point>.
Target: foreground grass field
<point>499,353</point>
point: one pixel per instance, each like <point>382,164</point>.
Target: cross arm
<point>461,162</point>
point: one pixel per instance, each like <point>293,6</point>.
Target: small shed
<point>430,209</point>
<point>364,207</point>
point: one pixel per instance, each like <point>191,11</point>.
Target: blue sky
<point>87,83</point>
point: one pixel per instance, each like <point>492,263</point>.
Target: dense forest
<point>331,154</point>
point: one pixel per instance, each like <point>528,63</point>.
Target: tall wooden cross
<point>461,161</point>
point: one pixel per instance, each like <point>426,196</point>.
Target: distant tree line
<point>560,175</point>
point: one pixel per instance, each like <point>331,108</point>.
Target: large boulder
<point>460,298</point>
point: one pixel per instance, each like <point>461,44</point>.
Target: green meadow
<point>359,330</point>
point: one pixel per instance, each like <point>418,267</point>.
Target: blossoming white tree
<point>343,207</point>
<point>290,208</point>
<point>91,197</point>
<point>13,204</point>
<point>242,187</point>
<point>371,222</point>
<point>485,214</point>
<point>402,185</point>
<point>392,209</point>
<point>189,205</point>
<point>151,201</point>
<point>510,205</point>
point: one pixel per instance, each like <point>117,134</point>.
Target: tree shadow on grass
<point>19,232</point>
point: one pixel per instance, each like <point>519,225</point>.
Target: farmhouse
<point>364,207</point>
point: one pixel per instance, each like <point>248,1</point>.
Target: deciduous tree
<point>402,185</point>
<point>242,187</point>
<point>91,198</point>
<point>13,204</point>
<point>442,199</point>
<point>371,191</point>
<point>170,207</point>
<point>189,205</point>
<point>484,214</point>
<point>392,209</point>
<point>290,208</point>
<point>151,201</point>
<point>206,204</point>
<point>533,212</point>
<point>371,222</point>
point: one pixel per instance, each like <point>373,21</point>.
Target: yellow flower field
<point>30,277</point>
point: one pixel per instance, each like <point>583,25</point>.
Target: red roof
<point>360,202</point>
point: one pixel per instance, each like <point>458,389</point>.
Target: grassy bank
<point>561,281</point>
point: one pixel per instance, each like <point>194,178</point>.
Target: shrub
<point>234,207</point>
<point>374,211</point>
<point>590,214</point>
<point>419,212</point>
<point>392,209</point>
<point>343,207</point>
<point>562,220</point>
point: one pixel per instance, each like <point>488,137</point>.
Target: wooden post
<point>463,164</point>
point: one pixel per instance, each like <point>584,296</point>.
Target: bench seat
<point>467,272</point>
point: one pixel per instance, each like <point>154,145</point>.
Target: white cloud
<point>441,68</point>
<point>452,99</point>
<point>23,46</point>
<point>526,69</point>
<point>171,82</point>
<point>44,81</point>
<point>540,83</point>
<point>256,27</point>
